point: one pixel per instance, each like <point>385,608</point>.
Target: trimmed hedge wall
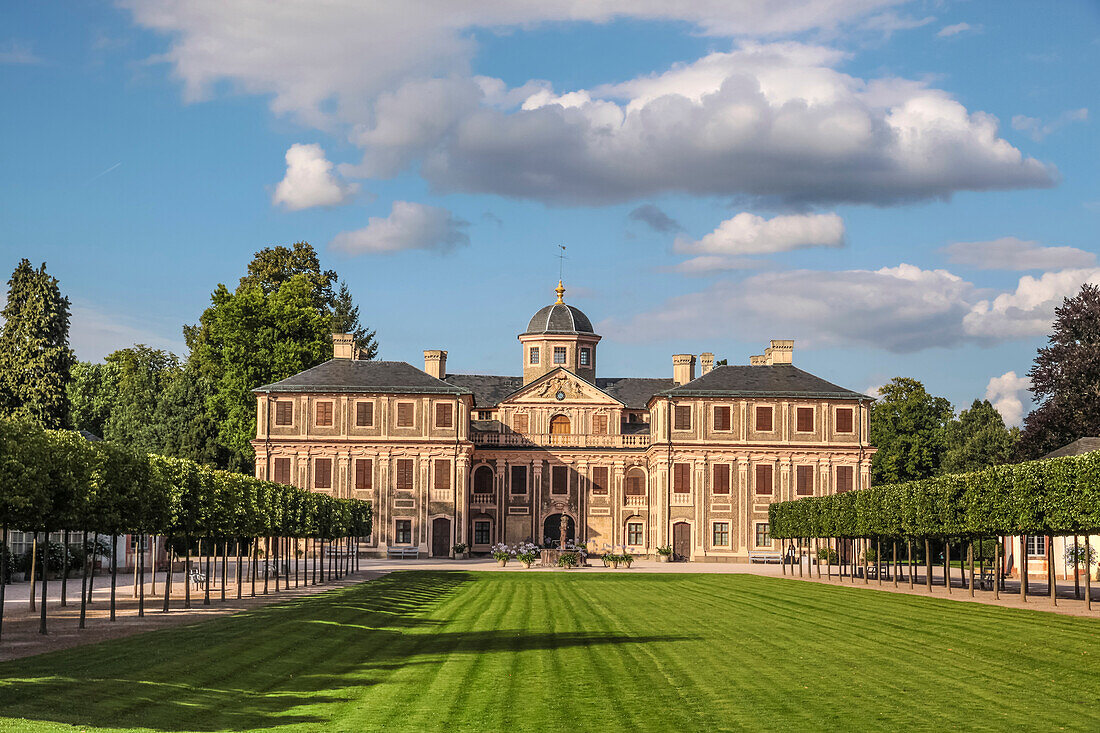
<point>1054,496</point>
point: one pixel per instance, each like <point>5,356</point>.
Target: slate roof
<point>353,375</point>
<point>1076,448</point>
<point>488,390</point>
<point>776,380</point>
<point>559,318</point>
<point>634,392</point>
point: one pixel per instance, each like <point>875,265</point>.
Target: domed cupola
<point>559,335</point>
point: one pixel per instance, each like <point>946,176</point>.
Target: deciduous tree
<point>978,438</point>
<point>908,428</point>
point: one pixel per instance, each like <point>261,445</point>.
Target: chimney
<point>435,363</point>
<point>683,368</point>
<point>343,346</point>
<point>758,360</point>
<point>781,351</point>
<point>706,362</point>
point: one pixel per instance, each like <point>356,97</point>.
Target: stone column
<point>462,499</point>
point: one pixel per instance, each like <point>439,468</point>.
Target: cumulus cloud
<point>309,180</point>
<point>409,226</point>
<point>1037,130</point>
<point>1004,393</point>
<point>709,264</point>
<point>953,30</point>
<point>749,234</point>
<point>1011,253</point>
<point>775,121</point>
<point>1028,310</point>
<point>657,220</point>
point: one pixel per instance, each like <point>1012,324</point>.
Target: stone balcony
<point>635,500</point>
<point>482,499</point>
<point>547,440</point>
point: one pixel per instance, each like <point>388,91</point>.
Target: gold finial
<point>560,290</point>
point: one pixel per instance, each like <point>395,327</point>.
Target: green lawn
<point>580,652</point>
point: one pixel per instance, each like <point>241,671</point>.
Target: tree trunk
<point>3,576</point>
<point>895,563</point>
<point>297,563</point>
<point>153,560</point>
<point>209,575</point>
<point>1023,568</point>
<point>1076,581</point>
<point>141,576</point>
<point>225,570</point>
<point>167,571</point>
<point>240,569</point>
<point>83,580</point>
<point>114,573</point>
<point>267,563</point>
<point>313,542</point>
<point>1051,574</point>
<point>878,561</point>
<point>997,570</point>
<point>1088,578</point>
<point>947,566</point>
<point>252,562</point>
<point>45,574</point>
<point>34,572</point>
<point>970,553</point>
<point>91,576</point>
<point>65,568</point>
<point>187,576</point>
<point>909,560</point>
<point>928,563</point>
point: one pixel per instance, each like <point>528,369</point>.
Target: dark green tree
<point>1065,378</point>
<point>184,426</point>
<point>345,319</point>
<point>908,426</point>
<point>35,358</point>
<point>976,439</point>
<point>91,397</point>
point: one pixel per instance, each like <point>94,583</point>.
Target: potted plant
<point>568,560</point>
<point>460,551</point>
<point>501,553</point>
<point>611,559</point>
<point>826,555</point>
<point>664,554</point>
<point>626,559</point>
<point>527,553</point>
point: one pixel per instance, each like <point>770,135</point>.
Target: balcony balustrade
<point>556,440</point>
<point>482,499</point>
<point>681,498</point>
<point>635,500</point>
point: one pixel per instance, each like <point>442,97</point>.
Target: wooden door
<point>441,537</point>
<point>681,540</point>
<point>559,425</point>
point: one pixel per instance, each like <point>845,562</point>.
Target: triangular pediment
<point>560,386</point>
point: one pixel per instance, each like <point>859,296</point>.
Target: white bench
<point>765,557</point>
<point>403,552</point>
<point>198,579</point>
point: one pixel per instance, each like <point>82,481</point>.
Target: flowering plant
<point>569,560</point>
<point>459,548</point>
<point>501,551</point>
<point>666,550</point>
<point>527,552</point>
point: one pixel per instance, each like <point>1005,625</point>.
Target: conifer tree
<point>35,359</point>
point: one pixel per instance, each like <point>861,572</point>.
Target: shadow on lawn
<point>368,633</point>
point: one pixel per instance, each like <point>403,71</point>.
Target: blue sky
<point>904,188</point>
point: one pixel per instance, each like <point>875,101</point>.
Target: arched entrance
<point>441,537</point>
<point>551,529</point>
<point>559,425</point>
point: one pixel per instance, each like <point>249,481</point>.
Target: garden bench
<point>198,579</point>
<point>764,557</point>
<point>403,552</point>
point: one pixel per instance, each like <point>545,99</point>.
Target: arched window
<point>559,425</point>
<point>483,480</point>
<point>635,482</point>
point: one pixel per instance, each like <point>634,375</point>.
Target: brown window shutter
<point>844,420</point>
<point>804,419</point>
<point>282,471</point>
<point>442,474</point>
<point>764,419</point>
<point>443,415</point>
<point>843,479</point>
<point>560,480</point>
<point>324,414</point>
<point>404,474</point>
<point>763,478</point>
<point>362,474</point>
<point>599,480</point>
<point>804,480</point>
<point>721,478</point>
<point>404,414</point>
<point>322,473</point>
<point>599,424</point>
<point>520,423</point>
<point>681,478</point>
<point>519,479</point>
<point>722,418</point>
<point>284,412</point>
<point>682,417</point>
<point>364,414</point>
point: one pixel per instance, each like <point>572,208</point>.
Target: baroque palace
<point>692,461</point>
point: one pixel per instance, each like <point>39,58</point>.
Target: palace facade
<point>692,461</point>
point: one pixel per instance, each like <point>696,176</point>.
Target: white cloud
<point>749,234</point>
<point>872,391</point>
<point>18,53</point>
<point>1037,130</point>
<point>1029,310</point>
<point>309,180</point>
<point>775,121</point>
<point>953,30</point>
<point>1004,393</point>
<point>1010,253</point>
<point>409,226</point>
<point>709,264</point>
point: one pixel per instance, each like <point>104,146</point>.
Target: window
<point>534,355</point>
<point>720,537</point>
<point>681,478</point>
<point>481,533</point>
<point>324,414</point>
<point>560,425</point>
<point>559,354</point>
<point>403,531</point>
<point>404,414</point>
<point>722,418</point>
<point>721,478</point>
<point>599,480</point>
<point>682,418</point>
<point>635,482</point>
<point>284,412</point>
<point>404,474</point>
<point>599,424</point>
<point>843,479</point>
<point>282,470</point>
<point>521,423</point>
<point>634,533</point>
<point>364,481</point>
<point>364,414</point>
<point>844,420</point>
<point>585,358</point>
<point>804,480</point>
<point>322,473</point>
<point>1036,545</point>
<point>764,419</point>
<point>763,478</point>
<point>484,414</point>
<point>763,539</point>
<point>442,474</point>
<point>804,419</point>
<point>519,479</point>
<point>443,415</point>
<point>559,480</point>
<point>483,480</point>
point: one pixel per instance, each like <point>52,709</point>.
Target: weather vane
<point>561,262</point>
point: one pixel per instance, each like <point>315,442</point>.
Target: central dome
<point>560,318</point>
